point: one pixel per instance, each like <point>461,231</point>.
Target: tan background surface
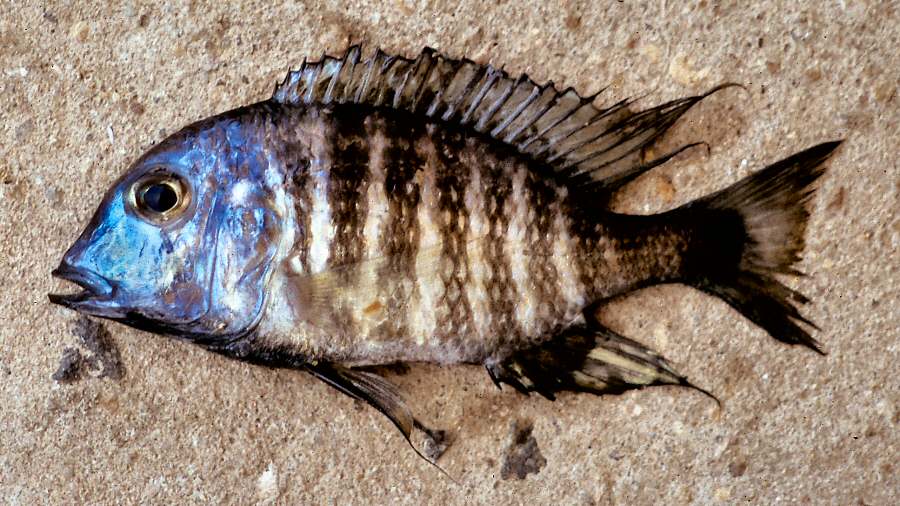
<point>85,89</point>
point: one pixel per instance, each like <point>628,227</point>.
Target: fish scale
<point>423,255</point>
<point>437,210</point>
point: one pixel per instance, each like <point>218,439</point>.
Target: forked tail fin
<point>754,230</point>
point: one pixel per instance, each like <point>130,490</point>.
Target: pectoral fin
<point>587,359</point>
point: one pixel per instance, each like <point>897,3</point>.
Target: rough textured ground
<point>85,89</point>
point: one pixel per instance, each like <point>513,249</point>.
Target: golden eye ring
<point>160,197</point>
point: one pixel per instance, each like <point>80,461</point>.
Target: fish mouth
<point>94,291</point>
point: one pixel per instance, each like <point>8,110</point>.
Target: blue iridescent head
<point>183,242</point>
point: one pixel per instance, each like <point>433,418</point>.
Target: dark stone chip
<point>522,456</point>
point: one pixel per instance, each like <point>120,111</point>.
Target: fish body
<point>411,241</point>
<point>429,210</point>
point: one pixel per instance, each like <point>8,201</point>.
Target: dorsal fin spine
<point>377,77</point>
<point>490,78</point>
<point>329,92</point>
<point>524,146</point>
<point>565,131</point>
<point>535,92</point>
<point>435,103</point>
<point>476,77</point>
<point>345,77</point>
<point>435,76</point>
<point>584,145</point>
<point>398,92</point>
<point>511,137</point>
<point>367,77</point>
<point>311,82</point>
<point>389,77</point>
<point>442,70</point>
<point>282,92</point>
<point>492,109</point>
<point>432,61</point>
<point>407,69</point>
<point>418,74</point>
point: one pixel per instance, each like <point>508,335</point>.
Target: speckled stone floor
<point>85,88</point>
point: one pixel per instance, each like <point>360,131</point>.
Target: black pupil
<point>160,197</point>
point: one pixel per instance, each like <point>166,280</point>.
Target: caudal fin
<point>760,222</point>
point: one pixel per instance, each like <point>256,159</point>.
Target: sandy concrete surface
<point>85,89</point>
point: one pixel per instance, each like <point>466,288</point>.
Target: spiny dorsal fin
<point>598,147</point>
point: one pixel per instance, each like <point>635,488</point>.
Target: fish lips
<point>96,295</point>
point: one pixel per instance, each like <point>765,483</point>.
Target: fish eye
<point>160,197</point>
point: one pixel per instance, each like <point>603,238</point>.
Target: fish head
<point>183,243</point>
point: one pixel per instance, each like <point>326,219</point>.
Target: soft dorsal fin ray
<point>597,147</point>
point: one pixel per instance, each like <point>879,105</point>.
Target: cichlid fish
<point>429,210</point>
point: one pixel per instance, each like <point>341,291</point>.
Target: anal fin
<point>586,358</point>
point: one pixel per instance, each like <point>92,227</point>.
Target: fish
<point>387,210</point>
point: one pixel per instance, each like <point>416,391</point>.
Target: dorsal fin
<point>598,147</point>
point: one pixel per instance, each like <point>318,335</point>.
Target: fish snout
<point>93,286</point>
